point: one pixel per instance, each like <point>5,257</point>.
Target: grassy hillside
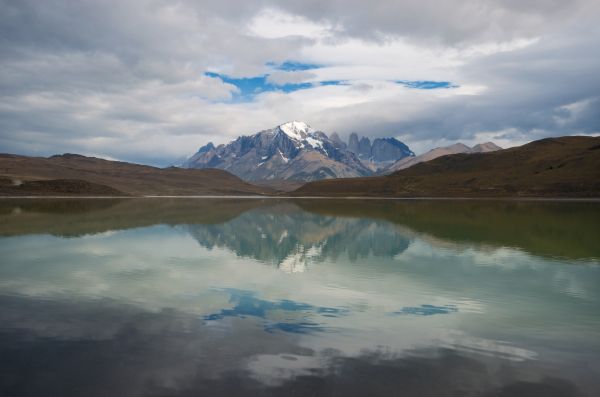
<point>553,167</point>
<point>72,174</point>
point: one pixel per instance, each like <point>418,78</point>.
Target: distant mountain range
<point>295,151</point>
<point>553,167</point>
<point>439,152</point>
<point>379,154</point>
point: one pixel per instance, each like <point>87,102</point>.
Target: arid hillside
<point>553,167</point>
<point>72,174</point>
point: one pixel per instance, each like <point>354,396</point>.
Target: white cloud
<point>294,77</point>
<point>272,23</point>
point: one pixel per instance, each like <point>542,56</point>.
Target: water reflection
<point>101,348</point>
<point>290,237</point>
<point>552,229</point>
<point>192,297</point>
<point>294,316</point>
<point>427,310</point>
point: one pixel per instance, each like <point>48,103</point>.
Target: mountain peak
<point>206,148</point>
<point>485,147</point>
<point>457,147</point>
<point>296,129</point>
<point>295,151</point>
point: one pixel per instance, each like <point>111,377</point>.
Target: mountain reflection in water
<point>182,297</point>
<point>289,237</point>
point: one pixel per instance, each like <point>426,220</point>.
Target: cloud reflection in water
<point>297,315</point>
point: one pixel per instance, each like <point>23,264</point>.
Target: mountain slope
<point>55,187</point>
<point>295,152</point>
<point>554,167</point>
<point>381,153</point>
<point>96,176</point>
<point>439,152</point>
<point>291,151</point>
<point>485,147</point>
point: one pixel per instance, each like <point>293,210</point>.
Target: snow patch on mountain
<point>296,129</point>
<point>285,159</point>
<point>315,143</point>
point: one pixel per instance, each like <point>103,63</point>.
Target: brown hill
<point>281,185</point>
<point>439,152</point>
<point>553,167</point>
<point>72,174</point>
<point>56,187</point>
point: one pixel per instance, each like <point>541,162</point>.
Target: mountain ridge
<point>296,151</point>
<point>554,167</point>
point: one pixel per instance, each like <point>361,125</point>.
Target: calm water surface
<point>228,297</point>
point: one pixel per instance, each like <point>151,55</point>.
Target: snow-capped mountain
<point>290,151</point>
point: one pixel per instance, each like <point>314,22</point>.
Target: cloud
<point>294,77</point>
<point>128,80</point>
<point>447,23</point>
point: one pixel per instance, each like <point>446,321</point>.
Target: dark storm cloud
<point>550,88</point>
<point>444,22</point>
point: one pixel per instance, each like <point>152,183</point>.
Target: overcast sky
<point>152,81</point>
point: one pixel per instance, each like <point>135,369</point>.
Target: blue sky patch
<point>293,66</point>
<point>426,84</point>
<point>251,86</point>
<point>333,82</point>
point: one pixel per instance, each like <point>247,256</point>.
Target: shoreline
<point>252,197</point>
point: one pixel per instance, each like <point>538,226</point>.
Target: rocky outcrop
<point>379,154</point>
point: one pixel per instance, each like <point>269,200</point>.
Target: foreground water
<point>181,297</point>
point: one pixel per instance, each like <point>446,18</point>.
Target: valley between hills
<point>295,160</point>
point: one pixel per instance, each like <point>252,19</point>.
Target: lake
<point>276,297</point>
